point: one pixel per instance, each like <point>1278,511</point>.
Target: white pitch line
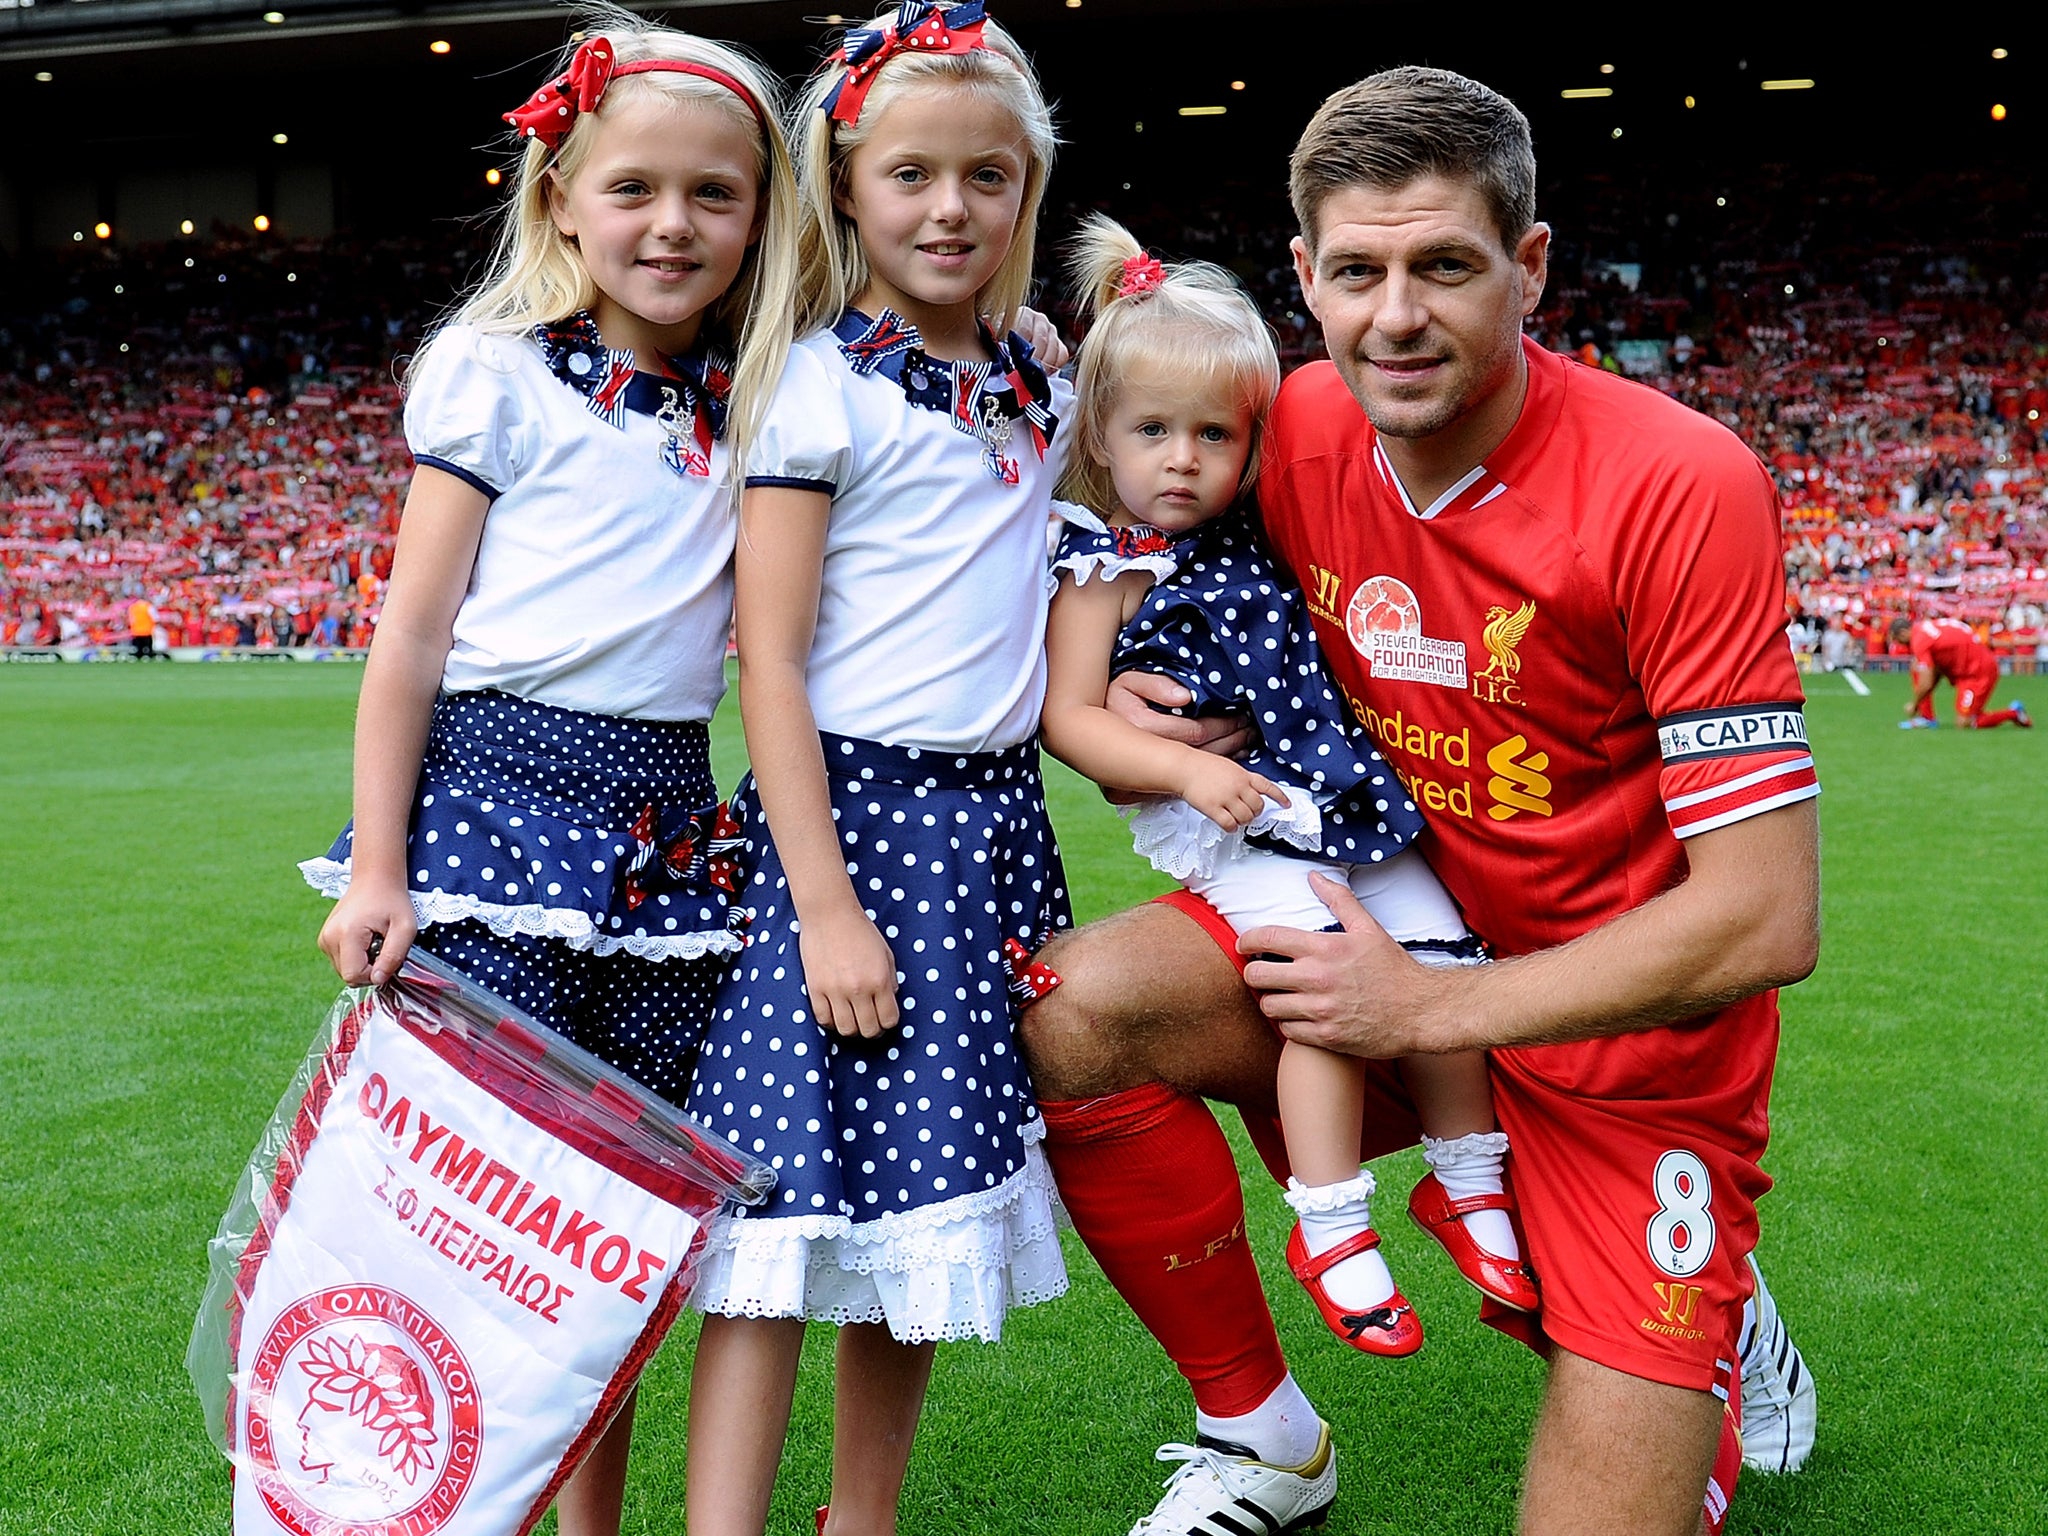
<point>1857,685</point>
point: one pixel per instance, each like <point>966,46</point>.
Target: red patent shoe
<point>1508,1281</point>
<point>1391,1328</point>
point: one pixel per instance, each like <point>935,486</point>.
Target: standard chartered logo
<point>1518,784</point>
<point>1435,766</point>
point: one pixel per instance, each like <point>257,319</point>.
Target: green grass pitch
<point>158,983</point>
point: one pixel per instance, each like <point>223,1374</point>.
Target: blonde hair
<point>1196,323</point>
<point>832,267</point>
<point>537,275</point>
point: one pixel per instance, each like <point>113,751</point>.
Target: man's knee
<point>1146,996</point>
<point>1077,1038</point>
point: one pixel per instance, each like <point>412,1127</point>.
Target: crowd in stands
<point>210,429</point>
<point>201,441</point>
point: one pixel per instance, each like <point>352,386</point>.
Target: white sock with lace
<point>1471,1165</point>
<point>1283,1430</point>
<point>1330,1213</point>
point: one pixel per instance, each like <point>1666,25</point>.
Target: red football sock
<point>1995,717</point>
<point>1149,1181</point>
<point>1727,1459</point>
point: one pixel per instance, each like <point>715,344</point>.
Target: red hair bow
<point>918,26</point>
<point>1142,273</point>
<point>552,110</point>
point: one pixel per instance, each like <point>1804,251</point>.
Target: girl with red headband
<point>900,868</point>
<point>533,792</point>
<point>1161,571</point>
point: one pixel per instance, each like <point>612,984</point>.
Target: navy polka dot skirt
<point>643,1018</point>
<point>569,862</point>
<point>911,1187</point>
<point>592,829</point>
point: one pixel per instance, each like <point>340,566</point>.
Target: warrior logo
<point>363,1417</point>
<point>1676,1301</point>
<point>1384,623</point>
<point>1504,631</point>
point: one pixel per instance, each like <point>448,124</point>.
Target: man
<point>142,629</point>
<point>1948,648</point>
<point>1620,797</point>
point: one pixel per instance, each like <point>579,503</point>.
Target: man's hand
<point>1746,918</point>
<point>1356,992</point>
<point>1131,697</point>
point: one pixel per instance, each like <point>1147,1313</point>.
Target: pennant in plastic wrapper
<point>458,1243</point>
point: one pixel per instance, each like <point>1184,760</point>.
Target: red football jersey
<point>1574,659</point>
<point>1952,649</point>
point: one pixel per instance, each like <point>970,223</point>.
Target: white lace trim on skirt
<point>945,1271</point>
<point>578,930</point>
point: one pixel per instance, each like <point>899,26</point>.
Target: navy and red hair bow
<point>919,26</point>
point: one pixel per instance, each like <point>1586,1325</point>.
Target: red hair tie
<point>1142,274</point>
<point>551,111</point>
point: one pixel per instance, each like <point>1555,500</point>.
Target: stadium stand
<point>212,426</point>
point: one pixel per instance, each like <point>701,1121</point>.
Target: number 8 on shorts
<point>1681,1234</point>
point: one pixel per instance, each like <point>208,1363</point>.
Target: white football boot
<point>1222,1490</point>
<point>1778,1412</point>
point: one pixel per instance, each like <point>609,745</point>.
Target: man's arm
<point>1924,678</point>
<point>1746,919</point>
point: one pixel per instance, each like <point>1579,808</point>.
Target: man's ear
<point>1305,272</point>
<point>1532,255</point>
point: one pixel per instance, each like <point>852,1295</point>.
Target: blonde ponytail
<point>1185,320</point>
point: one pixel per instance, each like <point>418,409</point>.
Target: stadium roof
<point>1168,98</point>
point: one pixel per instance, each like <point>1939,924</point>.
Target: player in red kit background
<point>1554,599</point>
<point>1948,648</point>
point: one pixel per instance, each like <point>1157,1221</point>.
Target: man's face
<point>1421,305</point>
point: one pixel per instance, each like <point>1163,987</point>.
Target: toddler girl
<point>533,795</point>
<point>1175,377</point>
<point>891,609</point>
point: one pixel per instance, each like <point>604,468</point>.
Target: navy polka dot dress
<point>911,1189</point>
<point>1219,621</point>
<point>570,863</point>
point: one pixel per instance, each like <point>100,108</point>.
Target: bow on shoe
<point>918,26</point>
<point>1382,1318</point>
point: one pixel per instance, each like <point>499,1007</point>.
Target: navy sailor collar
<point>689,402</point>
<point>983,399</point>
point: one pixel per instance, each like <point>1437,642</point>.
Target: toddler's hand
<point>1228,793</point>
<point>849,971</point>
<point>369,909</point>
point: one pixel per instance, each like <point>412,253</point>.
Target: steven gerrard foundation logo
<point>1384,623</point>
<point>363,1417</point>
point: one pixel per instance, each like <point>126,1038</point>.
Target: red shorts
<point>1634,1167</point>
<point>1973,693</point>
